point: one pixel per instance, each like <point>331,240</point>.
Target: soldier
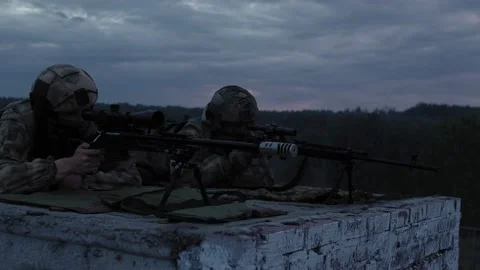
<point>36,153</point>
<point>226,117</point>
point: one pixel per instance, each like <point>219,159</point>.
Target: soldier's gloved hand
<point>83,162</point>
<point>239,160</point>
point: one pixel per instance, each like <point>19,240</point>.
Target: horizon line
<point>385,108</point>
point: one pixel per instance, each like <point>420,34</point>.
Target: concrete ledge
<point>419,233</point>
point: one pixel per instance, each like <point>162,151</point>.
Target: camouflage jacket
<point>22,173</point>
<point>225,170</point>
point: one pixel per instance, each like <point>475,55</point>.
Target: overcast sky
<point>291,54</point>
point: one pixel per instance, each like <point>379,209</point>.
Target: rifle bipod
<point>349,169</point>
<point>173,184</point>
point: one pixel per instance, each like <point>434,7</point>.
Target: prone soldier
<point>36,153</point>
<point>227,116</point>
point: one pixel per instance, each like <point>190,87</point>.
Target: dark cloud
<point>292,54</point>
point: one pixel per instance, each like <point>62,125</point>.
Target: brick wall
<point>410,234</point>
<point>418,233</point>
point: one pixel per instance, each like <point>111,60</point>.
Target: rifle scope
<point>141,119</point>
<point>274,129</point>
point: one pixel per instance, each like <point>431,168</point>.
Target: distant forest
<point>442,135</point>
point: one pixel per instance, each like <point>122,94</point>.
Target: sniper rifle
<point>181,149</point>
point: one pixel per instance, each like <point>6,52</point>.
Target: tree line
<point>442,135</point>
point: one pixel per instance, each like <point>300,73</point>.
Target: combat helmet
<point>63,88</point>
<point>231,104</point>
<point>58,97</point>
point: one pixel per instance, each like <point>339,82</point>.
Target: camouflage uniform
<point>21,170</point>
<point>154,167</point>
<point>231,107</point>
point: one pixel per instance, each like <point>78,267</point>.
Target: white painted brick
<point>450,206</point>
<point>342,257</point>
<point>23,252</point>
<point>353,228</point>
<point>327,249</point>
<point>297,260</point>
<point>449,223</point>
<point>384,264</point>
<point>399,218</point>
<point>317,260</point>
<point>416,252</point>
<point>445,240</point>
<point>189,260</point>
<point>434,263</point>
<point>322,232</point>
<point>307,260</point>
<point>49,254</point>
<point>431,245</point>
<point>455,239</point>
<point>102,259</point>
<point>450,260</point>
<point>358,265</point>
<point>404,256</point>
<point>428,227</point>
<point>281,239</point>
<point>418,213</point>
<point>377,247</point>
<point>275,241</point>
<point>227,249</point>
<point>416,232</point>
<point>355,237</point>
<point>458,205</point>
<point>274,261</point>
<point>378,222</point>
<point>434,209</point>
<point>403,238</point>
<point>371,265</point>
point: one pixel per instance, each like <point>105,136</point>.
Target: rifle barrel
<point>281,131</point>
<point>397,163</point>
<point>321,147</point>
<point>345,155</point>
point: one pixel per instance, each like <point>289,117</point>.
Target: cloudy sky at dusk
<point>291,54</point>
